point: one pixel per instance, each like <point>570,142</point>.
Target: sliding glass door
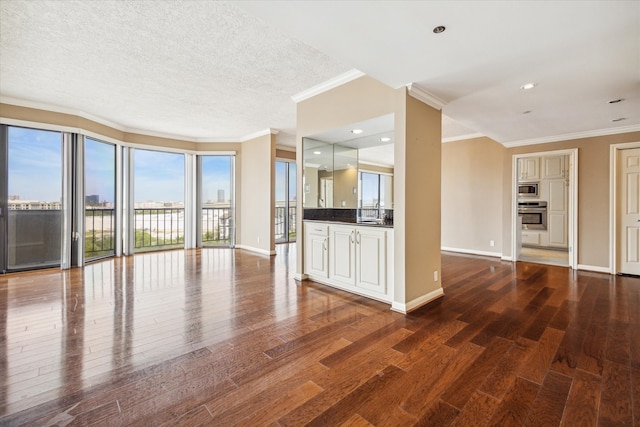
<point>99,199</point>
<point>33,223</point>
<point>216,200</point>
<point>158,200</point>
<point>285,215</point>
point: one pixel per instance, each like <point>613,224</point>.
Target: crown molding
<point>338,80</point>
<point>63,110</point>
<point>428,98</point>
<point>462,137</point>
<point>576,135</point>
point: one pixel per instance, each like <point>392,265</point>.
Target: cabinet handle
<point>319,229</point>
<point>357,237</point>
<point>324,244</point>
<point>351,236</point>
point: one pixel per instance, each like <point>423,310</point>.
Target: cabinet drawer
<point>319,229</point>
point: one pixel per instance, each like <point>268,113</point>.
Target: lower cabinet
<point>358,258</point>
<point>316,250</point>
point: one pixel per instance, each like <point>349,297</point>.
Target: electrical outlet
<point>492,243</point>
<point>258,239</point>
<point>435,276</point>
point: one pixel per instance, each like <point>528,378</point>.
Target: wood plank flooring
<point>224,337</point>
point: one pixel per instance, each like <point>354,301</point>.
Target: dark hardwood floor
<point>223,337</point>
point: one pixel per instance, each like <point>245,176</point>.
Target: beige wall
<point>593,193</point>
<point>417,203</point>
<point>257,194</point>
<point>472,195</point>
<point>285,154</point>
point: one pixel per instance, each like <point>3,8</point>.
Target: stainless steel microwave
<point>528,189</point>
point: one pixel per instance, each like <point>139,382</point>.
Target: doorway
<point>624,209</point>
<point>544,214</point>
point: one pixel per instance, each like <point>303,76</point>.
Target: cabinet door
<point>529,169</point>
<point>316,254</point>
<point>557,217</point>
<point>371,259</point>
<point>554,167</point>
<point>342,264</point>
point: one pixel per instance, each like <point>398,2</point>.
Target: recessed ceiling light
<point>317,152</point>
<point>385,139</point>
<point>439,29</point>
<point>526,112</point>
<point>528,86</point>
<point>357,131</point>
<point>619,119</point>
<point>615,101</point>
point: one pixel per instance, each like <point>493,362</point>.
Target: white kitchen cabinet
<point>554,167</point>
<point>357,257</point>
<point>531,238</point>
<point>529,168</point>
<point>557,213</point>
<point>316,249</point>
<point>342,265</point>
<point>371,259</point>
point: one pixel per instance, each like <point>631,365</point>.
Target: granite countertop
<point>362,224</point>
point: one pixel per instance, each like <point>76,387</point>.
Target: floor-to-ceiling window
<point>99,199</point>
<point>158,214</point>
<point>285,215</point>
<point>216,200</point>
<point>33,166</point>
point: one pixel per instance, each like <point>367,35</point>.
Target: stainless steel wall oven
<point>533,214</point>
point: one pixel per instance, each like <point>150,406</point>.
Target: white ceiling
<point>216,70</point>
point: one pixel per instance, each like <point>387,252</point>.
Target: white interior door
<point>629,211</point>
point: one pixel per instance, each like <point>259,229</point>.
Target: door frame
<point>572,220</point>
<point>613,199</point>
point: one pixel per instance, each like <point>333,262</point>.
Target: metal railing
<point>158,228</point>
<point>282,235</point>
<point>99,238</point>
<point>216,226</point>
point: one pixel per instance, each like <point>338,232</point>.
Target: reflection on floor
<point>545,256</point>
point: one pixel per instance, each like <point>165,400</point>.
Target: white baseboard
<point>472,252</point>
<point>256,250</point>
<point>300,277</point>
<point>418,302</point>
<point>597,269</point>
<point>506,258</point>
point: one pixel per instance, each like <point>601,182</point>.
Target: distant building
<point>92,200</point>
<point>33,205</point>
<point>220,195</point>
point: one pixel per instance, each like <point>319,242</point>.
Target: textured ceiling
<point>198,69</point>
<point>580,53</point>
<point>207,70</point>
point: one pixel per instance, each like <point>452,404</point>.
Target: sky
<point>35,164</point>
<point>281,168</point>
<point>35,170</point>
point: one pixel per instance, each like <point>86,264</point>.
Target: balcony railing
<point>99,238</point>
<point>159,228</point>
<point>280,224</point>
<point>216,226</point>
